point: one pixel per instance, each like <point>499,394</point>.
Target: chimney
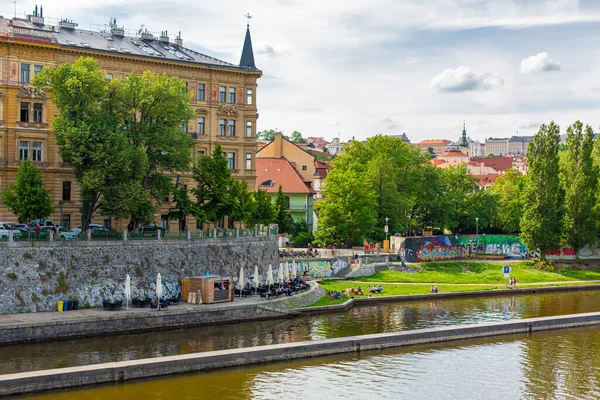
<point>115,30</point>
<point>147,36</point>
<point>37,17</point>
<point>164,37</point>
<point>66,24</point>
<point>178,40</point>
<point>278,143</point>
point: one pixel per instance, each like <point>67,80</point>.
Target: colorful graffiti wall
<point>567,253</point>
<point>509,246</point>
<point>432,249</point>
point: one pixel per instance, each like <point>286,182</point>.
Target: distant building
<point>500,164</point>
<point>317,142</point>
<point>496,146</point>
<point>476,148</point>
<point>455,153</point>
<point>335,147</point>
<point>437,145</point>
<point>517,145</point>
<point>403,137</point>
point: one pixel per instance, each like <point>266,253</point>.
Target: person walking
<point>514,283</point>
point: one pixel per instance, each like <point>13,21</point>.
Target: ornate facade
<point>223,96</point>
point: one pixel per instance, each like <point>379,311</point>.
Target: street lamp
<point>60,204</point>
<point>477,232</point>
<point>386,228</point>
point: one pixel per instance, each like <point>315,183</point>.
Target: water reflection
<point>550,365</point>
<point>359,320</point>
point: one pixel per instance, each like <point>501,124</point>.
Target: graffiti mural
<point>432,249</point>
<point>568,253</point>
<point>509,246</point>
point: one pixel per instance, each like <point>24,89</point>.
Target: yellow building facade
<point>223,97</point>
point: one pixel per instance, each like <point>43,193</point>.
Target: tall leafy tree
<point>28,199</point>
<point>541,223</point>
<point>460,185</point>
<point>213,178</point>
<point>88,130</point>
<point>262,211</point>
<point>283,218</point>
<point>184,205</point>
<point>349,212</point>
<point>267,134</point>
<point>509,189</point>
<point>579,179</point>
<point>153,112</point>
<point>242,203</point>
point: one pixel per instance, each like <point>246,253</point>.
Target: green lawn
<point>469,272</point>
<point>397,290</point>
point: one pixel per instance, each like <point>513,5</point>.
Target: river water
<point>386,317</point>
<point>543,365</point>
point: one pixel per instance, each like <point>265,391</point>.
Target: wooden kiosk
<point>213,289</point>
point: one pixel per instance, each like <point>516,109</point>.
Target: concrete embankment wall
<point>441,296</point>
<point>35,278</point>
<point>156,320</point>
<point>164,366</point>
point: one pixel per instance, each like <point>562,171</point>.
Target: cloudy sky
<point>358,68</point>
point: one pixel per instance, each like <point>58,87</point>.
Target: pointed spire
<point>247,59</point>
<point>464,141</point>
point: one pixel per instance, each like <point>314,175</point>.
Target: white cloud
<point>541,62</point>
<point>463,79</point>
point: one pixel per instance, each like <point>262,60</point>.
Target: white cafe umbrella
<point>294,275</point>
<point>127,291</point>
<point>255,278</point>
<point>286,272</point>
<point>270,276</point>
<point>159,290</point>
<point>241,282</point>
<point>280,274</point>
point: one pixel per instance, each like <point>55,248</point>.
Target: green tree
<point>460,184</point>
<point>541,223</point>
<point>28,199</point>
<point>348,214</point>
<point>579,179</point>
<point>262,212</point>
<point>509,189</point>
<point>428,204</point>
<point>154,111</point>
<point>267,134</point>
<point>283,218</point>
<point>296,137</point>
<point>242,203</point>
<point>213,178</point>
<point>88,131</point>
<point>184,205</point>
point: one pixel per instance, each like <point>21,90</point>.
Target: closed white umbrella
<point>294,274</point>
<point>286,272</point>
<point>127,291</point>
<point>280,275</point>
<point>241,282</point>
<point>255,278</point>
<point>159,290</point>
<point>270,275</point>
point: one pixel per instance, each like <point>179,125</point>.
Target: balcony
<point>30,125</point>
<point>297,207</point>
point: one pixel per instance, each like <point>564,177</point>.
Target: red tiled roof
<point>321,169</point>
<point>498,163</point>
<point>454,154</point>
<point>281,172</point>
<point>486,180</point>
<point>434,141</point>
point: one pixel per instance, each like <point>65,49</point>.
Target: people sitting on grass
<point>335,295</point>
<point>434,289</point>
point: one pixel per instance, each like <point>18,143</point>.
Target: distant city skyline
<point>359,68</point>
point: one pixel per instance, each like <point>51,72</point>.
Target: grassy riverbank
<point>458,276</point>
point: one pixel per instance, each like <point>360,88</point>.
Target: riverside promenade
<point>44,326</point>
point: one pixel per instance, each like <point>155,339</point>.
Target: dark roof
<point>498,163</point>
<point>525,139</point>
<point>138,46</point>
<point>247,59</point>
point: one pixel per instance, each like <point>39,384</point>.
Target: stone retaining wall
<point>164,366</point>
<point>35,278</point>
<point>121,322</point>
<point>367,270</point>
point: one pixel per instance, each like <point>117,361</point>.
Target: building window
<point>167,197</point>
<point>248,161</point>
<point>37,112</point>
<point>200,154</point>
<point>24,112</point>
<point>164,222</point>
<point>37,69</point>
<point>107,222</point>
<point>37,151</point>
<point>201,92</point>
<point>66,221</point>
<point>23,150</point>
<point>109,77</point>
<point>200,125</point>
<point>222,94</point>
<point>232,95</point>
<point>304,168</point>
<point>231,127</point>
<point>221,127</point>
<point>249,97</point>
<point>184,127</point>
<point>24,73</point>
<point>231,160</point>
<point>66,190</point>
<point>248,128</point>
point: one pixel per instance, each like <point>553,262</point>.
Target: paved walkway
<point>80,315</point>
<point>475,284</point>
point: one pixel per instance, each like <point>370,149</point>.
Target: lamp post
<point>477,232</point>
<point>60,205</point>
<point>386,228</point>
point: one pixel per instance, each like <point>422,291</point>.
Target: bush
<point>301,239</point>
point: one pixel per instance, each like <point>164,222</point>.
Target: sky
<point>355,69</point>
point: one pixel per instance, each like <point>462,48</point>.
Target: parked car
<point>41,222</point>
<point>149,226</point>
<point>100,232</point>
<point>5,228</point>
<point>91,227</point>
<point>63,233</point>
<point>23,228</point>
